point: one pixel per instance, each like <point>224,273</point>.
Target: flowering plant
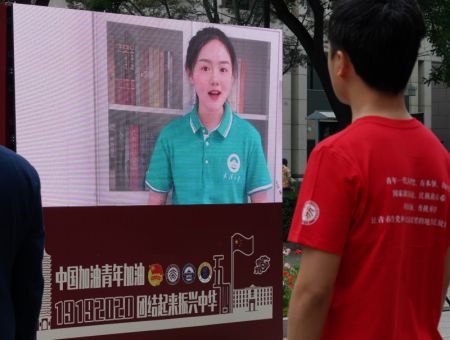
<point>291,267</point>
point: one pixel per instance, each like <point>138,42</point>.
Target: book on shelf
<point>156,77</point>
<point>147,77</point>
<point>144,77</point>
<point>168,76</point>
<point>124,64</point>
<point>157,57</point>
<point>161,79</point>
<point>126,157</point>
<point>237,93</point>
<point>130,147</point>
<point>120,155</point>
<point>112,156</point>
<point>134,157</point>
<point>111,67</point>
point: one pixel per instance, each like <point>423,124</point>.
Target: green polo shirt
<point>224,166</point>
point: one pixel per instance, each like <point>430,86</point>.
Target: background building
<point>303,94</point>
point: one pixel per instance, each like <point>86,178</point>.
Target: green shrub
<point>291,267</point>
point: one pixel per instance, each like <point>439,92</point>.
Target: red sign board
<point>170,272</point>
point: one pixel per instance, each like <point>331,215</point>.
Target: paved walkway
<point>444,325</point>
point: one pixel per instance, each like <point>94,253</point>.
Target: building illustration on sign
<point>251,298</point>
<point>218,304</point>
<point>45,317</point>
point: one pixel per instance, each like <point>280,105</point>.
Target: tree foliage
<point>437,19</point>
<point>172,9</point>
<point>28,2</point>
<point>308,22</point>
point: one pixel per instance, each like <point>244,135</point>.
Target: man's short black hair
<point>381,37</point>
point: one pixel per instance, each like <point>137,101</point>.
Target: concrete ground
<point>444,325</point>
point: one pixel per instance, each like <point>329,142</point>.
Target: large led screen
<point>101,100</point>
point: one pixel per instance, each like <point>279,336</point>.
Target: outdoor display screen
<point>94,90</point>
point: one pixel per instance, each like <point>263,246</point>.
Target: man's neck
<point>367,102</point>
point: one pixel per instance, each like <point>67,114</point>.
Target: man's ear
<point>343,65</point>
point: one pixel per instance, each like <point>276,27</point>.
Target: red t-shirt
<point>377,194</point>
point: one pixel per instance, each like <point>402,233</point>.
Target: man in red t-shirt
<point>373,210</point>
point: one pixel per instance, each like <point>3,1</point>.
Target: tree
<point>28,2</point>
<point>171,9</point>
<point>437,19</point>
<point>311,37</point>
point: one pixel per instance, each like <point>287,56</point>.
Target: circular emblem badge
<point>234,163</point>
<point>172,274</point>
<point>155,274</point>
<point>188,273</point>
<point>204,272</point>
<point>310,213</point>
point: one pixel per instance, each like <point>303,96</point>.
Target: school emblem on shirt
<point>310,213</point>
<point>234,163</point>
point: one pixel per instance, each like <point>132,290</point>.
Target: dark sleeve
<point>27,270</point>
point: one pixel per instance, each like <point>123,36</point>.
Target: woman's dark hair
<point>203,37</point>
<point>381,37</point>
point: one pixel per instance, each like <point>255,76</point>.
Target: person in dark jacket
<point>21,247</point>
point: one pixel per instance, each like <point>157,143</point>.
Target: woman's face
<point>212,77</point>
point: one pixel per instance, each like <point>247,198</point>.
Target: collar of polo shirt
<point>224,126</point>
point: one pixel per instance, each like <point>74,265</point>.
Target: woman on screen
<point>210,155</point>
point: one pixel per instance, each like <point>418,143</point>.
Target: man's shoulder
<point>8,155</point>
<point>431,140</point>
<point>336,141</point>
<point>16,170</point>
<point>369,130</point>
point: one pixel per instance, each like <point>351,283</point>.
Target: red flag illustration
<point>242,244</point>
